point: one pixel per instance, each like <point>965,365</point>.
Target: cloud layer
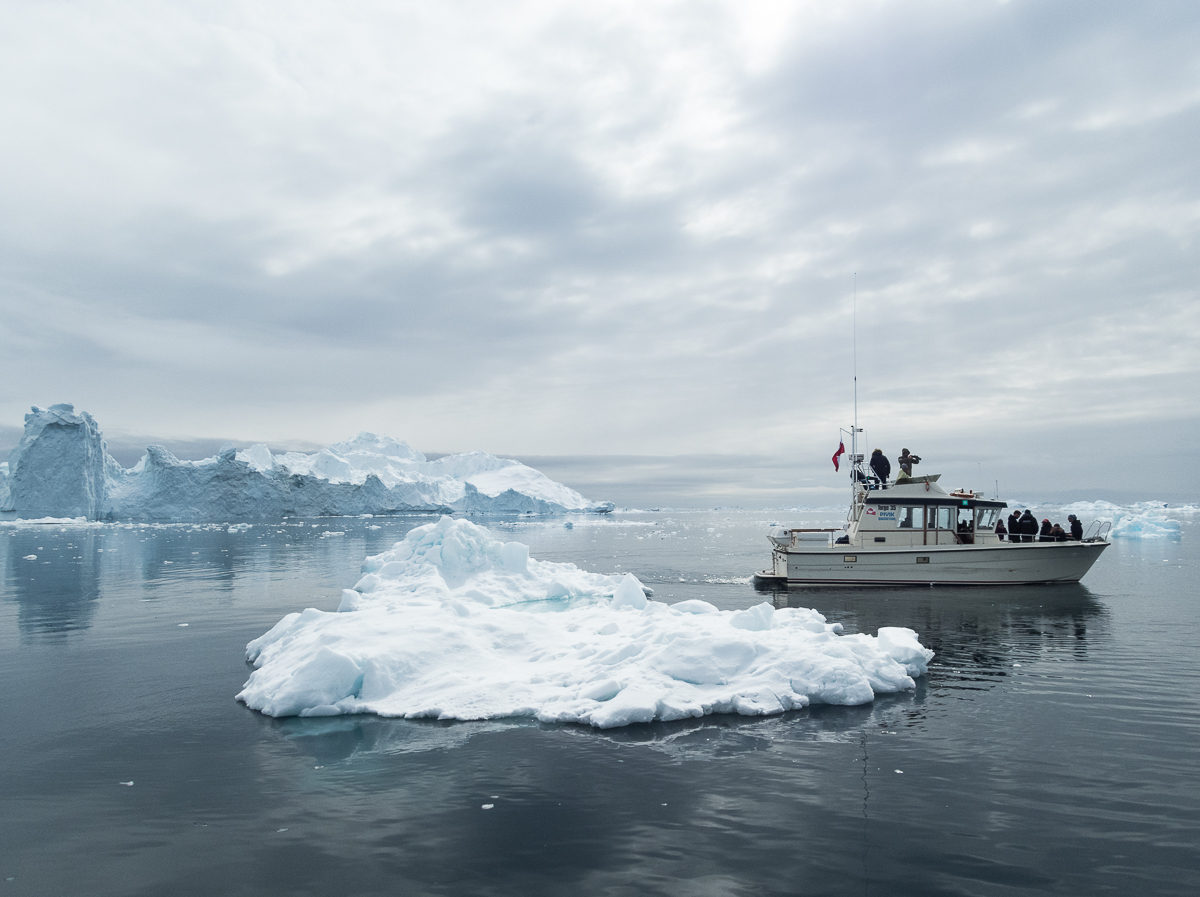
<point>610,229</point>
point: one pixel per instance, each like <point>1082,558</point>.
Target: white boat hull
<point>999,564</point>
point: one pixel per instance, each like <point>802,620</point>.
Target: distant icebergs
<point>453,624</point>
<point>62,468</point>
<point>1143,520</point>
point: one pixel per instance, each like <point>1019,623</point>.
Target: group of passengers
<point>1024,528</point>
<point>882,467</point>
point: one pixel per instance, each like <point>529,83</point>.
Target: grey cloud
<point>540,271</point>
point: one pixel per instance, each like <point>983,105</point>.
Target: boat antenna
<point>857,473</point>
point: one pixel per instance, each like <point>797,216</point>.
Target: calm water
<point>1052,748</point>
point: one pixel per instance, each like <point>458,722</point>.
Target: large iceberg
<point>451,623</point>
<point>62,468</point>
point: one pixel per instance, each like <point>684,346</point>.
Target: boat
<point>911,531</point>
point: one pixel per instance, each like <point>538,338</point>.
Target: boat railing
<point>791,536</point>
<point>1098,531</point>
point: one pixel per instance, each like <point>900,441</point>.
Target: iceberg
<point>1142,520</point>
<point>62,468</point>
<point>60,464</point>
<point>453,624</point>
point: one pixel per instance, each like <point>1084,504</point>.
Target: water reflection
<point>205,554</point>
<point>978,634</point>
<point>54,580</point>
<point>56,574</point>
<point>330,740</point>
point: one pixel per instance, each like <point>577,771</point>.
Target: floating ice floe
<point>453,624</point>
<point>62,467</point>
<point>1142,520</point>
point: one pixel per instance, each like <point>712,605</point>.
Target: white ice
<point>1142,520</point>
<point>62,467</point>
<point>452,623</point>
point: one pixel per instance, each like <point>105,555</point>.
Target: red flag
<point>841,451</point>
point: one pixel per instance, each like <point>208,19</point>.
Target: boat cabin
<point>917,511</point>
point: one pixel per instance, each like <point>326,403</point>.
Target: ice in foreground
<point>454,624</point>
<point>62,468</point>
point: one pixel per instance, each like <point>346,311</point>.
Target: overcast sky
<point>623,231</point>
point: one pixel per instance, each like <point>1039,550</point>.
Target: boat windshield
<point>987,518</point>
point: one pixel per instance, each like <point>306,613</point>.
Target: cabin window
<point>987,518</point>
<point>910,517</point>
<point>942,518</point>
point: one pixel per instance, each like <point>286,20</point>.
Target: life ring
<point>926,485</point>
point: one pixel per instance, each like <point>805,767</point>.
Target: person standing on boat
<point>1047,533</point>
<point>881,466</point>
<point>1076,528</point>
<point>1014,526</point>
<point>1000,530</point>
<point>906,464</point>
<point>1029,526</point>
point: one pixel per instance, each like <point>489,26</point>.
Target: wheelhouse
<point>921,513</point>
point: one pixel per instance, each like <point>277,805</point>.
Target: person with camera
<point>906,461</point>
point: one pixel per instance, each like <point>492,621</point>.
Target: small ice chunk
<point>695,606</point>
<point>904,647</point>
<point>629,593</point>
<point>515,556</point>
<point>350,601</point>
<point>754,619</point>
<point>602,691</point>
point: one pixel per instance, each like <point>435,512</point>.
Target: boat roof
<point>924,490</point>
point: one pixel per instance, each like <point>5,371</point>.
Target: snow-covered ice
<point>1142,520</point>
<point>452,623</point>
<point>62,467</point>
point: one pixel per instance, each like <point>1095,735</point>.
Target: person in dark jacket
<point>1059,534</point>
<point>1014,526</point>
<point>881,466</point>
<point>1000,530</point>
<point>1029,526</point>
<point>1076,528</point>
<point>906,462</point>
<point>1046,534</point>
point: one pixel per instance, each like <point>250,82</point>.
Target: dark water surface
<point>1053,747</point>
